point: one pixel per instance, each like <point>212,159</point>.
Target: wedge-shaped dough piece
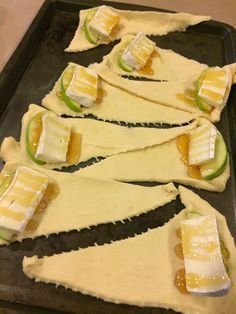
<point>119,105</point>
<point>164,65</point>
<point>140,270</point>
<point>133,22</point>
<point>83,202</point>
<point>160,163</point>
<point>97,138</point>
<point>177,94</point>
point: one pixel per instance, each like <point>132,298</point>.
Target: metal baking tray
<point>28,76</point>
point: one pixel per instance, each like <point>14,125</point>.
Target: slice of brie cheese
<point>19,202</point>
<point>104,20</point>
<point>83,86</point>
<point>54,140</point>
<point>214,85</point>
<point>138,51</point>
<point>204,266</point>
<point>202,144</point>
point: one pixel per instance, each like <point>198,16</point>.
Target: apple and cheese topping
<point>50,140</point>
<point>204,152</point>
<point>211,88</point>
<point>19,200</point>
<point>205,273</point>
<point>136,54</point>
<point>100,24</point>
<point>83,86</point>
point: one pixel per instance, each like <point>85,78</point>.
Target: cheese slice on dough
<point>139,270</point>
<point>133,22</point>
<point>83,202</point>
<point>166,65</point>
<point>117,104</point>
<point>177,94</point>
<point>98,139</point>
<point>160,163</point>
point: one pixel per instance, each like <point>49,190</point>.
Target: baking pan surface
<point>27,78</point>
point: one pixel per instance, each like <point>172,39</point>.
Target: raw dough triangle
<point>140,270</point>
<point>83,202</point>
<point>149,22</point>
<point>98,139</point>
<point>167,65</point>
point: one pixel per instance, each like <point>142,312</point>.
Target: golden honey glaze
<point>187,97</point>
<point>183,147</point>
<point>147,69</point>
<point>74,148</point>
<point>180,282</point>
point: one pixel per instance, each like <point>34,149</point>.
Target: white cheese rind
<point>204,267</point>
<point>214,85</point>
<point>20,200</point>
<point>103,22</point>
<point>138,51</point>
<point>202,145</point>
<point>54,140</point>
<point>83,86</point>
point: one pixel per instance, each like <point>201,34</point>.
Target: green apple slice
<point>6,234</point>
<point>65,81</point>
<point>29,131</point>
<point>90,37</point>
<point>125,67</point>
<point>215,167</point>
<point>202,104</point>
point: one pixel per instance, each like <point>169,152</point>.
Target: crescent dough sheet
<point>160,163</point>
<point>98,139</point>
<point>120,105</point>
<point>139,270</point>
<point>133,22</point>
<point>177,94</point>
<point>83,202</point>
<point>167,65</point>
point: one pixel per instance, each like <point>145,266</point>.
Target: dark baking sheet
<point>28,76</point>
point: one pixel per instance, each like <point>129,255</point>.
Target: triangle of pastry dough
<point>166,65</point>
<point>177,94</point>
<point>83,202</point>
<point>140,270</point>
<point>133,22</point>
<point>160,163</point>
<point>120,105</point>
<point>98,139</point>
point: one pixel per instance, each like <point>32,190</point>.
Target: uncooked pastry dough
<point>133,22</point>
<point>160,163</point>
<point>169,93</point>
<point>97,138</point>
<point>140,270</point>
<point>167,65</point>
<point>120,105</point>
<point>84,202</point>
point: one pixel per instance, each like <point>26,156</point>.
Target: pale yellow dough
<point>84,202</point>
<point>132,22</point>
<point>97,138</point>
<point>140,270</point>
<point>159,163</point>
<point>120,105</point>
<point>167,65</point>
<point>166,93</point>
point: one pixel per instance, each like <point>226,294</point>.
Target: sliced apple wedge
<point>215,167</point>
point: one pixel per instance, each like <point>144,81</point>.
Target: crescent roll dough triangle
<point>167,65</point>
<point>160,163</point>
<point>177,94</point>
<point>98,139</point>
<point>132,22</point>
<point>120,105</point>
<point>83,202</point>
<point>140,270</point>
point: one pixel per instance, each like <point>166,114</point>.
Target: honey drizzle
<point>50,194</point>
<point>74,148</point>
<point>180,281</point>
<point>187,97</point>
<point>147,69</point>
<point>36,132</point>
<point>183,147</point>
<point>179,251</point>
<point>100,94</point>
